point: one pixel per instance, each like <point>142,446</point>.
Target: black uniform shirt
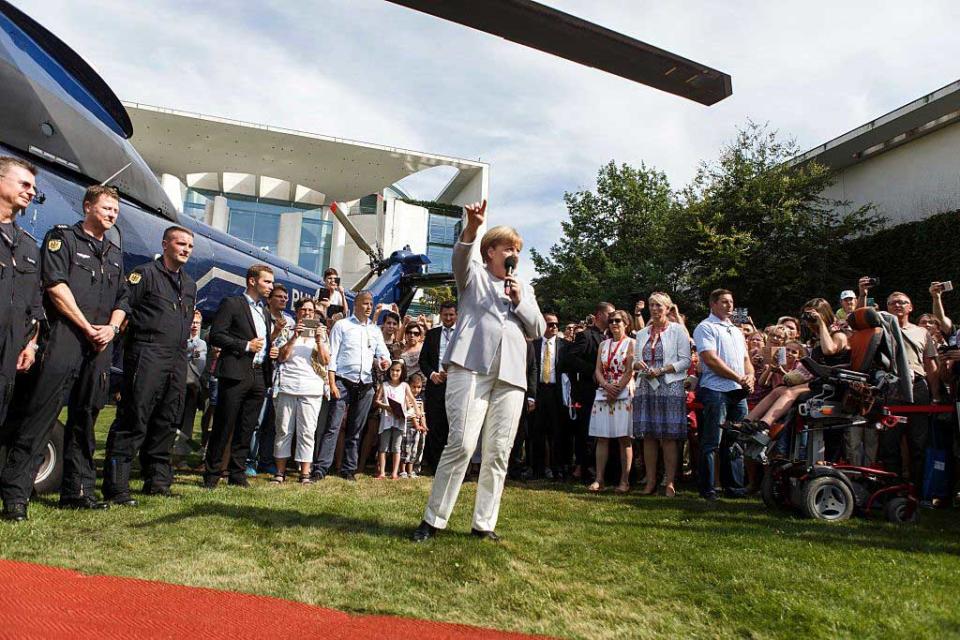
<point>161,305</point>
<point>20,295</point>
<point>91,268</point>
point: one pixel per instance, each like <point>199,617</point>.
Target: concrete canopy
<point>180,143</point>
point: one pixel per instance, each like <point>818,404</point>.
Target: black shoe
<point>242,483</point>
<point>16,512</point>
<point>86,503</point>
<point>316,476</point>
<point>485,535</point>
<point>160,491</point>
<point>123,500</point>
<point>211,482</point>
<point>349,477</point>
<point>424,532</point>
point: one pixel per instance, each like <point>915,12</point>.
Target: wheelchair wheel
<point>770,493</point>
<point>827,498</point>
<point>898,511</point>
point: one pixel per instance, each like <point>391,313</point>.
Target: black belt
<point>257,366</point>
<point>353,385</point>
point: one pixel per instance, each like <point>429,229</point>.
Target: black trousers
<point>266,435</point>
<point>581,428</point>
<point>238,410</point>
<point>69,369</point>
<point>191,402</point>
<point>435,406</point>
<point>917,431</point>
<point>154,385</point>
<point>548,425</point>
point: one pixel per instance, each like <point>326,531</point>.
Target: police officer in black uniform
<point>21,308</point>
<point>85,303</point>
<point>161,297</point>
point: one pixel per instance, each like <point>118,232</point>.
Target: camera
<point>810,315</point>
<point>873,281</point>
<point>310,326</point>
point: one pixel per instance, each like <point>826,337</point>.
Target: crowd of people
<point>316,392</point>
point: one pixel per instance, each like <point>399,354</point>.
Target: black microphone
<point>510,264</point>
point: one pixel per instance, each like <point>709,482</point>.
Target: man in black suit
<point>549,423</point>
<point>431,355</point>
<point>240,329</point>
<point>521,441</point>
<point>580,362</point>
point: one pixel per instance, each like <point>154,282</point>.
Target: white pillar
<point>175,190</point>
<point>219,215</point>
<point>288,237</point>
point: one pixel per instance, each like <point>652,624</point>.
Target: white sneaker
<point>403,474</point>
<point>413,474</point>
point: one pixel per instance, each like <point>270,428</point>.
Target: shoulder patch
<point>54,244</point>
<point>135,277</point>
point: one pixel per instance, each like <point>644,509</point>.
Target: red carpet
<point>45,602</point>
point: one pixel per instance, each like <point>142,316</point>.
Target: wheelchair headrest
<point>864,318</point>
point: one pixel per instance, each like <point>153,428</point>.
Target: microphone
<point>510,263</point>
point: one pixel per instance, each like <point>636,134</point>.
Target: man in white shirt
<point>725,381</point>
<point>356,346</point>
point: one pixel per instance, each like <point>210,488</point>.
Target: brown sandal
<point>596,487</point>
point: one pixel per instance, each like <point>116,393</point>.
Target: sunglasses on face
<point>413,333</point>
<point>553,324</point>
<point>616,321</point>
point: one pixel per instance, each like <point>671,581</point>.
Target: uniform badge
<point>134,278</point>
<point>54,244</point>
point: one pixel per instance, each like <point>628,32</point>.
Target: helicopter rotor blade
<point>340,211</point>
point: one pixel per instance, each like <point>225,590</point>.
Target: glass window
<point>369,204</point>
<point>443,229</point>
<point>241,224</point>
<point>441,259</point>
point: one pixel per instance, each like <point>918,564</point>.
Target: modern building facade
<point>906,162</point>
<point>273,188</point>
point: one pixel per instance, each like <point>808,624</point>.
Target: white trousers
<point>300,414</point>
<point>476,404</point>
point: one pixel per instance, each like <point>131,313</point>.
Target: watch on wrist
<point>116,330</point>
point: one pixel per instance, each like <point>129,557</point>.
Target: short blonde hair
<point>499,235</point>
<point>662,299</point>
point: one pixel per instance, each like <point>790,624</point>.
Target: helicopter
<point>60,115</point>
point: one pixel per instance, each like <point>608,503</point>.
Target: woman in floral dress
<point>612,415</point>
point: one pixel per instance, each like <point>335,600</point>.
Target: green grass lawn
<point>571,564</point>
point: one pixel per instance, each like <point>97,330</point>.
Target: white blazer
<point>676,350</point>
<point>487,321</point>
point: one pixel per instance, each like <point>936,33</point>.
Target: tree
<point>752,221</point>
<point>613,245</point>
<point>433,297</point>
<point>756,223</point>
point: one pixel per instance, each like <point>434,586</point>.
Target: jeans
<point>355,400</point>
<point>719,407</point>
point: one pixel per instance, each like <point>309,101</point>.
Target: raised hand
<point>476,214</point>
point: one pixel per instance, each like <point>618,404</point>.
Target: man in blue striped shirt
<point>356,346</point>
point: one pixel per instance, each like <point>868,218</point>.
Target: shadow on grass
<point>285,518</point>
<point>746,518</point>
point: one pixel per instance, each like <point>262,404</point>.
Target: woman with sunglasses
<point>299,390</point>
<point>412,344</point>
<point>612,415</point>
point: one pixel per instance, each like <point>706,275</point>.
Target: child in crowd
<point>416,433</point>
<point>396,402</point>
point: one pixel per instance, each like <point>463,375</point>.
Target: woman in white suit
<point>660,404</point>
<point>486,365</point>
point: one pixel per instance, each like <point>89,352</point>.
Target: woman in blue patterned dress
<point>659,405</point>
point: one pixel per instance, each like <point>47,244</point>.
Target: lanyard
<point>613,353</point>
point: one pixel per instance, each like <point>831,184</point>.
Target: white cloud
<point>371,70</point>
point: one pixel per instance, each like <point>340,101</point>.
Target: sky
<point>373,71</point>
